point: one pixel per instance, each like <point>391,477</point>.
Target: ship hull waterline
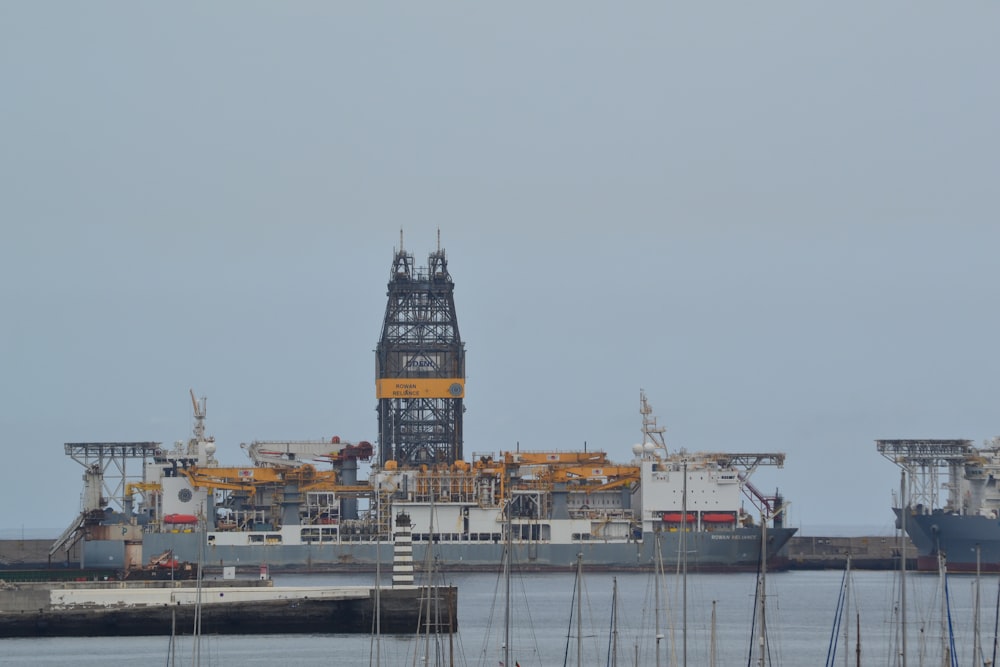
<point>957,536</point>
<point>717,551</point>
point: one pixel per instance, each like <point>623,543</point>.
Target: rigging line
<point>753,618</point>
<point>492,616</point>
<point>996,625</point>
<point>611,626</point>
<point>527,607</point>
<point>951,629</point>
<point>831,649</point>
<point>374,644</point>
<point>569,630</point>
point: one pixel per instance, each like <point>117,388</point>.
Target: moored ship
<point>284,511</point>
<point>301,504</point>
<point>963,528</point>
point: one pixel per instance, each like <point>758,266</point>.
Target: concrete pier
<point>874,552</point>
<point>153,608</point>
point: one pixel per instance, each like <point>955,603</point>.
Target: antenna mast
<point>650,431</point>
<point>199,416</point>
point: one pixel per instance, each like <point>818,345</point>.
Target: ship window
<point>256,539</point>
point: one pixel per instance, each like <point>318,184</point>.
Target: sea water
<point>799,624</point>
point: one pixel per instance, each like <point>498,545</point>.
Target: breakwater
<point>235,607</point>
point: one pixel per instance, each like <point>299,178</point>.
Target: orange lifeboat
<point>180,518</point>
<point>718,517</point>
<point>675,517</point>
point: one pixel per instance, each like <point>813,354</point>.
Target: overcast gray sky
<point>780,220</point>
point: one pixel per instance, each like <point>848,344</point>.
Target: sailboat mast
<point>377,639</point>
<point>762,636</point>
<point>196,650</point>
<point>684,565</point>
<point>614,623</point>
<point>658,583</point>
<point>996,626</point>
<point>847,609</point>
<point>506,575</point>
<point>173,632</point>
<point>428,567</point>
<point>451,631</point>
<point>944,609</point>
<point>858,634</point>
<point>711,645</point>
<point>975,621</point>
<point>579,610</point>
<point>903,511</point>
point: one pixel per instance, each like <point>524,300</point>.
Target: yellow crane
<point>306,477</point>
<point>554,458</point>
<point>596,478</point>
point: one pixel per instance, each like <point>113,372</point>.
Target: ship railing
<point>600,513</point>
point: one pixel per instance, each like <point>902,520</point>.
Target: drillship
<point>961,531</point>
<point>301,505</point>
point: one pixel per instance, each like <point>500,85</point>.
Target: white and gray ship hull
<point>718,551</point>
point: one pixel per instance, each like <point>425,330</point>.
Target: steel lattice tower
<point>420,375</point>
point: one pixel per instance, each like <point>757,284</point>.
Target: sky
<point>780,221</point>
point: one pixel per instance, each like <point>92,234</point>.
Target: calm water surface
<point>800,611</point>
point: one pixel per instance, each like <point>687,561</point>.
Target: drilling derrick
<point>420,374</point>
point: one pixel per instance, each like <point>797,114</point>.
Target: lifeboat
<point>675,517</point>
<point>180,518</point>
<point>718,517</point>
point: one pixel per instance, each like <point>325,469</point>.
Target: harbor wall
<point>35,553</point>
<point>873,552</point>
<point>27,610</point>
<point>138,597</point>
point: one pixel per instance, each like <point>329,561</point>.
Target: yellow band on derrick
<point>420,387</point>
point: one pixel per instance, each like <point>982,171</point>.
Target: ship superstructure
<point>963,525</point>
